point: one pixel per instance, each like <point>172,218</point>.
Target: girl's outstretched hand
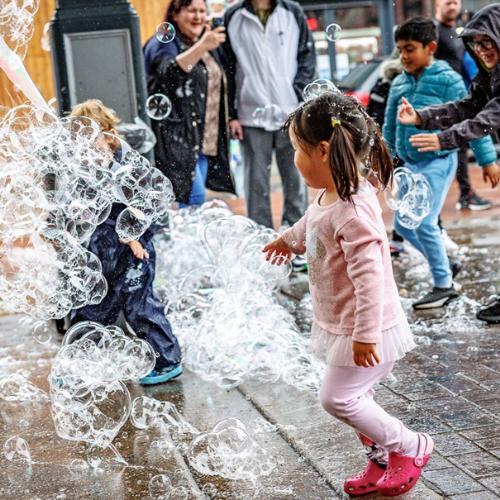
<point>365,354</point>
<point>138,250</point>
<point>406,114</point>
<point>278,252</point>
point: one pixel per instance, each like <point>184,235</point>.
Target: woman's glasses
<point>485,44</point>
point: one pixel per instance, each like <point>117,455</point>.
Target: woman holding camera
<point>193,139</point>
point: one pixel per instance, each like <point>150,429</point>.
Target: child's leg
<point>347,394</point>
<point>440,174</point>
<point>146,315</point>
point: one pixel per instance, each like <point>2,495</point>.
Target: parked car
<point>361,80</point>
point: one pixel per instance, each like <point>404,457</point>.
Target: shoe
<point>490,313</point>
<point>161,376</point>
<point>403,471</point>
<point>455,266</point>
<point>471,201</point>
<point>449,244</point>
<point>365,482</point>
<point>439,297</point>
<point>299,264</point>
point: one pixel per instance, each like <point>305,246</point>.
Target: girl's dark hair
<point>353,138</point>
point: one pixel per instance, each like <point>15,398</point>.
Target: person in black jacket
<point>451,49</point>
<point>476,115</point>
<point>192,147</point>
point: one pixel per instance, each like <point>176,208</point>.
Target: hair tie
<point>335,122</point>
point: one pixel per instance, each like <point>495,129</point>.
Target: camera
<point>217,21</point>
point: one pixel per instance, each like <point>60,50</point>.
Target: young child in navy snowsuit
<point>129,268</point>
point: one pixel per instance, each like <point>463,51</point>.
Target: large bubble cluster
<point>229,451</point>
<point>410,196</point>
<point>58,180</point>
<point>89,400</point>
<point>16,23</point>
<point>222,305</point>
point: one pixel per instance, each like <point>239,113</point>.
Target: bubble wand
<point>14,68</point>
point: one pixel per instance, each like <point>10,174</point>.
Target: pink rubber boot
<point>403,471</point>
<point>365,482</point>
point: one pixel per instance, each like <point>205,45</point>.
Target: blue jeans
<point>427,237</point>
<point>197,196</point>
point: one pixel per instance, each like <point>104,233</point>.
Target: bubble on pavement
<point>16,449</point>
<point>220,294</point>
<point>160,487</point>
<point>228,451</point>
<point>317,88</point>
<point>89,399</point>
<point>16,387</point>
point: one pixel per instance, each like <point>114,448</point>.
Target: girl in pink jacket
<point>359,327</point>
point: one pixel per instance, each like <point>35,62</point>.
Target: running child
<point>359,326</point>
<point>129,269</point>
<point>472,117</point>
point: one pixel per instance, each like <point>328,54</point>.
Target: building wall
<point>38,62</point>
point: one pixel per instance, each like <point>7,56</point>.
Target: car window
<point>359,75</point>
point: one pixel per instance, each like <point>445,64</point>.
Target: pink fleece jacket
<point>350,270</point>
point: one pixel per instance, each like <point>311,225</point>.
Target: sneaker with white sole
<point>491,312</point>
<point>471,201</point>
<point>436,298</point>
<point>162,375</point>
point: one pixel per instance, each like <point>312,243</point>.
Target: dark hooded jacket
<point>180,135</point>
<point>478,114</point>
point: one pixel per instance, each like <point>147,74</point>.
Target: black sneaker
<point>490,313</point>
<point>439,297</point>
<point>471,201</point>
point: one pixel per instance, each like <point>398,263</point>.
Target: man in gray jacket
<point>270,58</point>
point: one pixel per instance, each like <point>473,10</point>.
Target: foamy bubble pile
<point>229,451</point>
<point>15,387</point>
<point>222,305</point>
<point>410,196</point>
<point>58,180</point>
<point>89,400</point>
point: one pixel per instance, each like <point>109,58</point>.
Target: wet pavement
<point>448,386</point>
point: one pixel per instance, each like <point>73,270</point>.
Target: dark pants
<point>463,172</point>
<point>130,289</point>
<point>258,145</point>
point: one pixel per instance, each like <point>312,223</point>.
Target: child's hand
<point>407,115</point>
<point>365,354</point>
<point>278,252</point>
<point>425,142</point>
<point>491,173</point>
<point>138,250</point>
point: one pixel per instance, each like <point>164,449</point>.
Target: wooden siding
<point>38,62</point>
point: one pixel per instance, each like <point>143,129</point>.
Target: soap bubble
<point>42,333</point>
<point>333,32</point>
<point>165,32</point>
<point>131,224</point>
<point>158,107</point>
<point>269,117</point>
<point>219,294</point>
<point>160,486</point>
<point>229,452</point>
<point>410,196</point>
<point>317,88</point>
<point>16,449</point>
<point>15,387</point>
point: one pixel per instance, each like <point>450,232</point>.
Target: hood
<point>485,22</point>
<point>391,69</point>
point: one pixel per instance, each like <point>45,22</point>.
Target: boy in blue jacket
<point>425,82</point>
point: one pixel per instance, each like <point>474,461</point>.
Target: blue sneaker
<point>161,376</point>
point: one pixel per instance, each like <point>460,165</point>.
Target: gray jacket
<point>478,114</point>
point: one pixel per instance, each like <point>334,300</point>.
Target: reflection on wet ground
<point>448,386</point>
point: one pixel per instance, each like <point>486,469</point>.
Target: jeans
<point>197,196</point>
<point>427,237</point>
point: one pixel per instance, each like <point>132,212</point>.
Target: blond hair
<point>94,109</point>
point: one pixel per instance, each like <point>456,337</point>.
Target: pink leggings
<point>347,394</point>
